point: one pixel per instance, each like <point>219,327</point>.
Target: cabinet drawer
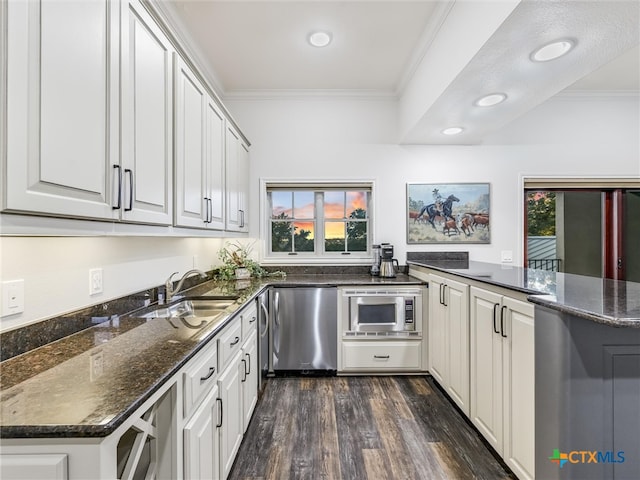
<point>249,321</point>
<point>372,356</point>
<point>200,376</point>
<point>230,341</point>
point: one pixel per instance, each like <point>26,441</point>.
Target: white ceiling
<point>260,47</point>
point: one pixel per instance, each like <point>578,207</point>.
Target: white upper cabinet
<point>106,121</point>
<point>214,137</point>
<point>237,164</point>
<point>200,153</point>
<point>62,107</point>
<point>191,171</point>
<point>146,185</point>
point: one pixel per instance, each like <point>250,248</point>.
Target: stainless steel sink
<point>192,313</point>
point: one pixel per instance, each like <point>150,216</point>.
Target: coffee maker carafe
<point>386,261</point>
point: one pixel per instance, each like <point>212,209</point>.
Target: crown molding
<point>310,94</point>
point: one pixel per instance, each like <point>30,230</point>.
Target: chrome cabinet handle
<point>444,295</point>
<point>235,341</point>
<point>381,356</point>
<point>248,362</point>
<point>210,203</point>
<point>130,174</point>
<point>212,370</point>
<point>118,205</point>
<point>253,319</point>
<point>495,317</point>
<point>206,210</point>
<point>219,424</point>
<point>241,218</point>
<point>244,370</point>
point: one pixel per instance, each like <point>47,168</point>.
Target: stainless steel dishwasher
<point>304,330</point>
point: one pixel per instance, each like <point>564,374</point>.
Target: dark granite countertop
<point>51,392</point>
<point>610,302</point>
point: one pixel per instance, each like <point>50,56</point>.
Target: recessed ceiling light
<point>320,39</point>
<point>452,130</point>
<point>491,100</point>
<point>553,50</point>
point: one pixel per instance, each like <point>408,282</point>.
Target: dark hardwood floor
<point>357,428</point>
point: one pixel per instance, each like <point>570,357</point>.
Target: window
<point>323,222</point>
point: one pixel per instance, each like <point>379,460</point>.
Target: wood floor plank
<point>449,462</point>
<point>399,460</point>
<point>419,386</point>
<point>376,464</point>
<point>427,466</point>
<point>329,446</point>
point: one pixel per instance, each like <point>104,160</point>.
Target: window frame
<point>319,256</point>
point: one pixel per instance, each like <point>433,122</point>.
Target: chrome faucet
<point>168,285</point>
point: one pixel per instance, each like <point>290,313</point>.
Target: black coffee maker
<point>387,269</point>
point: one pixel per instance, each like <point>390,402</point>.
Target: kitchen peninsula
<point>586,332</point>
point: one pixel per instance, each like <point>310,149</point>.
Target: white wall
<point>325,138</point>
<point>56,269</point>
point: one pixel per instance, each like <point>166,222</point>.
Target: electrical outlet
<point>506,256</point>
<point>95,281</point>
<point>12,297</point>
<point>96,365</point>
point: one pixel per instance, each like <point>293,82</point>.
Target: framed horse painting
<point>448,213</point>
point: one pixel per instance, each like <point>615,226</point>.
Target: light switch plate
<point>12,297</point>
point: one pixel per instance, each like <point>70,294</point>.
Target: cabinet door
<point>62,107</point>
<point>233,220</point>
<point>201,441</point>
<point>147,119</point>
<point>215,166</point>
<point>519,388</point>
<point>250,378</point>
<point>486,365</point>
<point>34,467</point>
<point>437,331</point>
<point>191,173</point>
<point>243,190</point>
<point>230,393</point>
<point>457,323</point>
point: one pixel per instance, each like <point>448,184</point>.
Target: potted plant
<point>236,263</point>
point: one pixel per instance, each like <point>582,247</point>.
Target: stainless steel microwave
<point>384,311</point>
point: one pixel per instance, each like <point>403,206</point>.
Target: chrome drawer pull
<point>212,370</point>
<point>381,356</point>
<point>235,342</point>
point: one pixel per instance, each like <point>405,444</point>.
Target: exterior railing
<point>549,264</point>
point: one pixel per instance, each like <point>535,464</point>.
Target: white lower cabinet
<point>250,378</point>
<point>34,467</point>
<point>449,337</point>
<point>202,440</point>
<point>376,356</point>
<point>502,377</point>
<point>231,429</point>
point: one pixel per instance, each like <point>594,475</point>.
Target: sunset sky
<point>300,205</point>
